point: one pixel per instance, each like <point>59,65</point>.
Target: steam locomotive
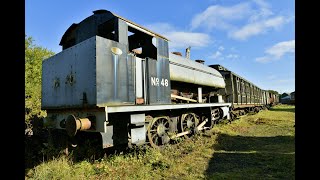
<point>116,82</point>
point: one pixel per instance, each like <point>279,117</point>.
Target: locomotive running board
<point>116,109</point>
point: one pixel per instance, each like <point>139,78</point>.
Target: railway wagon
<point>273,99</point>
<point>116,82</point>
<point>244,95</point>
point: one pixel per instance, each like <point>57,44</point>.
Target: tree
<point>34,55</point>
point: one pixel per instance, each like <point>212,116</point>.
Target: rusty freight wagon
<point>243,94</point>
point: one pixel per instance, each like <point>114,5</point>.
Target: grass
<point>259,146</point>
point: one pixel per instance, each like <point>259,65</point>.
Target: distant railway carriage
<point>244,95</point>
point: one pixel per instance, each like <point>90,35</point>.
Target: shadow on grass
<point>283,109</point>
<point>240,157</point>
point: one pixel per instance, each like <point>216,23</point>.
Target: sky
<point>253,38</point>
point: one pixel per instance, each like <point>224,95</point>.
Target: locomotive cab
<point>111,61</point>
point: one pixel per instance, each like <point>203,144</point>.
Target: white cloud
<point>215,55</point>
<point>218,54</point>
<point>277,51</point>
<point>262,4</point>
<point>180,39</point>
<point>263,11</point>
<point>221,48</point>
<point>240,21</point>
<point>281,48</point>
<point>218,16</point>
<point>263,59</point>
<point>256,28</point>
<point>233,49</point>
<point>232,56</point>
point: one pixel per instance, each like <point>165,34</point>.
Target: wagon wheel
<point>233,116</point>
<point>158,132</point>
<point>188,123</point>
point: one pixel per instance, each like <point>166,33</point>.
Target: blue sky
<point>253,38</point>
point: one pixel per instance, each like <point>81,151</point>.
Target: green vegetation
<point>34,55</point>
<point>259,146</point>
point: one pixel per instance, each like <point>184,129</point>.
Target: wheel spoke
<point>155,139</point>
<point>157,133</point>
<point>188,123</point>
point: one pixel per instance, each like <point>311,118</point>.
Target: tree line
<point>34,55</point>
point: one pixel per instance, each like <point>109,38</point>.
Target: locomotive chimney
<point>188,52</point>
<point>200,61</point>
